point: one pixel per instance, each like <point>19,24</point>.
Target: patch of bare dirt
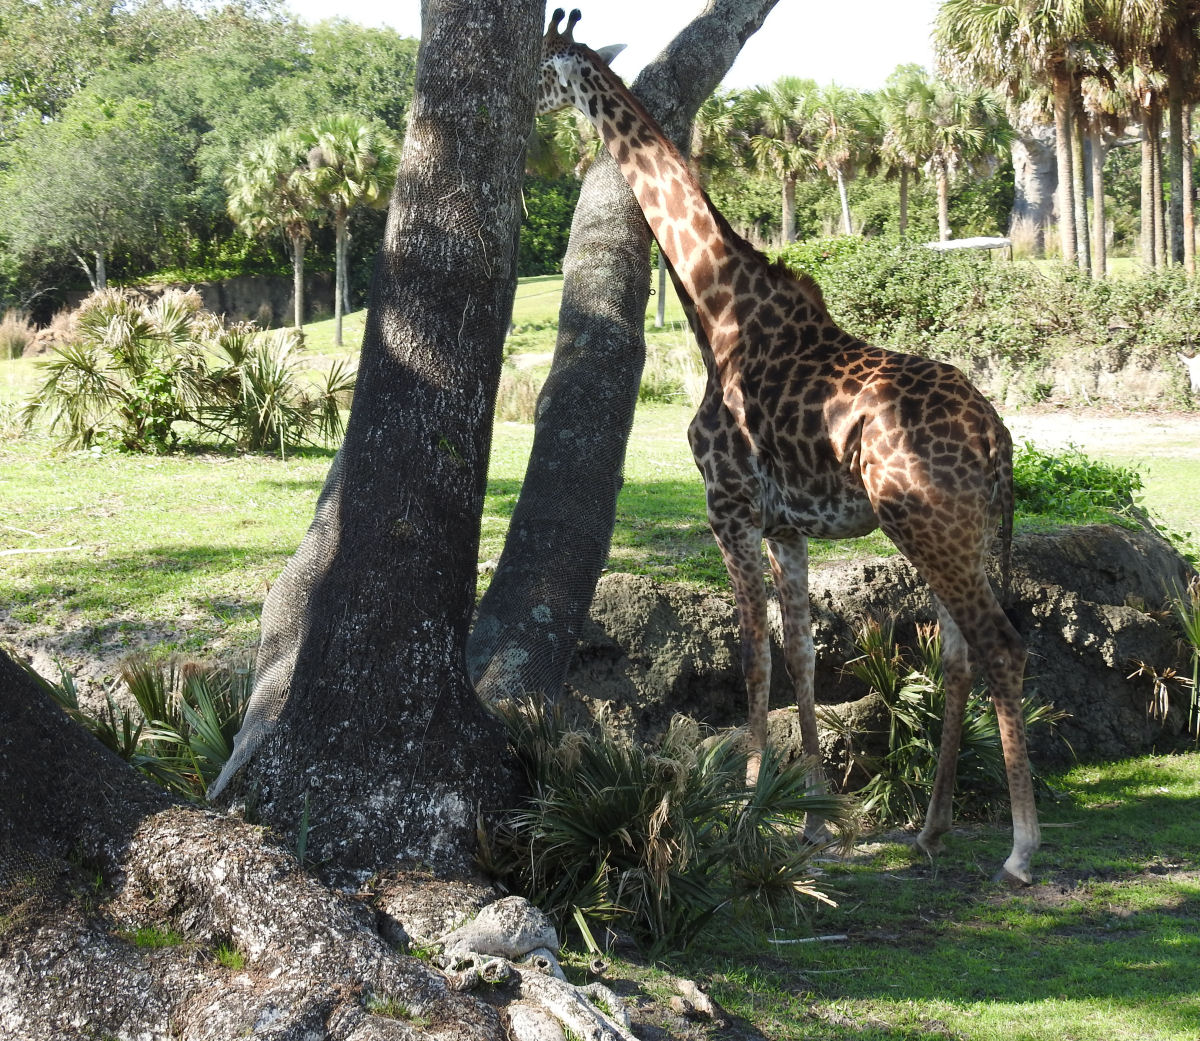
<point>1112,431</point>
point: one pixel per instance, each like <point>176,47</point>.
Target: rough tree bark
<point>90,853</point>
<point>363,723</point>
<point>530,618</point>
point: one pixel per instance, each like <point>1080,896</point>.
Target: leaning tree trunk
<point>363,723</point>
<point>1064,152</point>
<point>531,616</point>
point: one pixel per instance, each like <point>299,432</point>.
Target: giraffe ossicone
<point>806,431</point>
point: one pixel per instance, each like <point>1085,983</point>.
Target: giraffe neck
<point>699,244</point>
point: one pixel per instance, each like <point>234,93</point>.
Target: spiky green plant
<point>134,369</point>
<point>189,714</point>
<point>910,683</point>
<point>262,401</point>
<point>660,839</point>
<point>1187,609</point>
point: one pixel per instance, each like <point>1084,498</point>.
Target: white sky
<point>856,43</point>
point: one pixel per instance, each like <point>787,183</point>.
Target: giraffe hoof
<point>1007,878</point>
<point>930,845</point>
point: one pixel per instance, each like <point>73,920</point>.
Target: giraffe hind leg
<point>997,648</point>
<point>957,677</point>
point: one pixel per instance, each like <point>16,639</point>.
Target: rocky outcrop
<point>1090,602</point>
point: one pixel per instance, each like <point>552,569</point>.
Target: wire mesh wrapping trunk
<point>531,616</point>
<point>363,728</point>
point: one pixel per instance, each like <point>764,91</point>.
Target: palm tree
<point>1011,43</point>
<point>904,146</point>
<point>352,162</point>
<point>268,189</point>
<point>841,125</point>
<point>943,127</point>
<point>783,143</point>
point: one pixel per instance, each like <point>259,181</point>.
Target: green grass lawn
<point>104,552</point>
<point>1102,947</point>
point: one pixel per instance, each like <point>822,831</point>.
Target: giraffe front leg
<point>742,550</point>
<point>789,565</point>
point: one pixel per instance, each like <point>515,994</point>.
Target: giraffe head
<point>565,66</point>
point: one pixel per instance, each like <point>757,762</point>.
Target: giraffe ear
<point>610,52</point>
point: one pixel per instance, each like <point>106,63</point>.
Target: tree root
<point>212,931</point>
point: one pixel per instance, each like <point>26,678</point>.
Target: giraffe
<point>805,431</point>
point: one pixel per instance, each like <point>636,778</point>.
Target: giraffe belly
<point>829,507</point>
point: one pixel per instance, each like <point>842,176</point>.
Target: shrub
<point>659,839</point>
<point>16,334</point>
<point>257,397</point>
<point>970,308</point>
<point>1071,486</point>
<point>911,687</point>
<point>136,368</point>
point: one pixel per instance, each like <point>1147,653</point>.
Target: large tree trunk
<point>531,616</point>
<point>91,852</point>
<point>1064,152</point>
<point>93,856</point>
<point>298,281</point>
<point>1099,231</point>
<point>363,721</point>
<point>1147,209</point>
<point>1174,221</point>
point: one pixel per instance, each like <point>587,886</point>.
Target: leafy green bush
<point>911,687</point>
<point>972,309</point>
<point>549,205</point>
<point>136,368</point>
<point>1070,486</point>
<point>659,839</point>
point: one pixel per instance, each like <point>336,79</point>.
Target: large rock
<point>1090,602</point>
